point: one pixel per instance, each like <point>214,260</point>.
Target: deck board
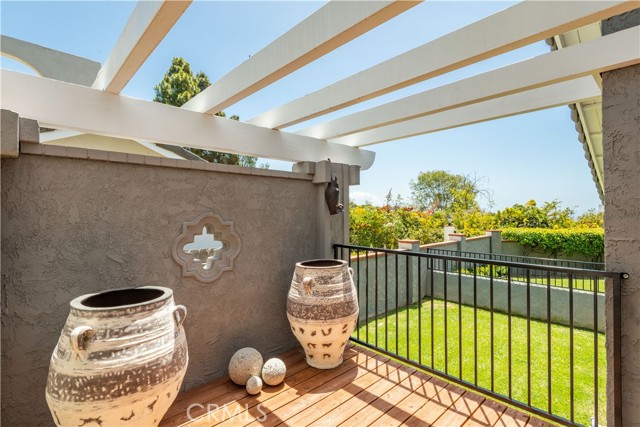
<point>512,418</point>
<point>487,415</point>
<point>364,399</point>
<point>368,389</point>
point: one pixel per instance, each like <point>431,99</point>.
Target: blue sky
<point>536,155</point>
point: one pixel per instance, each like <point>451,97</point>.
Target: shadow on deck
<point>368,389</point>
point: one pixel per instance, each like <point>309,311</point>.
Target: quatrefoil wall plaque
<point>207,247</point>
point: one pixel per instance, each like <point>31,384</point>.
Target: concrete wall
<point>510,247</point>
<point>621,145</point>
<point>448,246</point>
<point>384,280</point>
<point>559,313</point>
<point>492,243</point>
<point>478,244</point>
<point>76,226</point>
<point>408,284</point>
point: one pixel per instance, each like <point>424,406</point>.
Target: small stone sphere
<point>273,371</point>
<point>245,363</point>
<point>254,385</point>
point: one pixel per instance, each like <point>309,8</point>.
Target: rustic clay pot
<point>322,309</point>
<point>120,359</point>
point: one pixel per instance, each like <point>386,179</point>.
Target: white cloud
<point>362,197</point>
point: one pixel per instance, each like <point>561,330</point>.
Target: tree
<point>177,87</point>
<point>591,219</point>
<point>530,215</point>
<point>441,191</point>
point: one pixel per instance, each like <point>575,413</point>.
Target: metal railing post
<point>615,342</point>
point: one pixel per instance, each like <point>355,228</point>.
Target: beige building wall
<point>105,143</point>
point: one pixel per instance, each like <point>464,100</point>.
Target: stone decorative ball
<point>254,385</point>
<point>273,371</point>
<point>245,363</point>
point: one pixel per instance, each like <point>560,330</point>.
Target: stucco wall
<point>71,227</point>
<point>621,144</point>
<point>382,288</point>
<point>481,244</point>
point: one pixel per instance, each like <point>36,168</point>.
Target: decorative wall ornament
<point>207,247</point>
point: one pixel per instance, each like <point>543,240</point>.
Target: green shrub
<point>485,270</point>
<point>372,226</point>
<point>588,242</point>
<point>381,227</point>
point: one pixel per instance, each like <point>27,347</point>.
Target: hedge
<point>568,241</point>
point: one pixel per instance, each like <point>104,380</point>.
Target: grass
<point>583,283</point>
<point>579,283</point>
<point>460,324</point>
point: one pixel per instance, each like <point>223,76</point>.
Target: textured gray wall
<point>621,144</point>
<point>365,272</point>
<point>559,313</point>
<point>481,245</point>
<point>71,227</point>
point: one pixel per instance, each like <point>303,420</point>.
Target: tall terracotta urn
<point>120,359</point>
<point>322,308</point>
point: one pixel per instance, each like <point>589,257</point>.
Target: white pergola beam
<point>613,51</point>
<point>50,63</point>
<point>146,27</point>
<point>537,99</point>
<point>335,24</point>
<point>88,110</point>
<point>517,26</point>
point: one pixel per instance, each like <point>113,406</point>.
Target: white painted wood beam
<point>333,25</point>
<point>88,110</point>
<point>613,51</point>
<point>50,63</point>
<point>517,26</point>
<point>537,99</point>
<point>146,27</point>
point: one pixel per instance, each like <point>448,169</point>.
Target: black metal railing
<point>533,345</point>
<point>518,274</point>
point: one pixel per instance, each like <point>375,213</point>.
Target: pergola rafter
<point>537,99</point>
<point>610,52</point>
<point>521,24</point>
<point>146,27</point>
<point>333,25</point>
<point>544,81</point>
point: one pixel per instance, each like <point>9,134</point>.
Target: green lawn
<point>580,283</point>
<point>560,384</point>
<point>583,283</point>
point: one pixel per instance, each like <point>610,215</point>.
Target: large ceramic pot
<point>120,359</point>
<point>322,308</point>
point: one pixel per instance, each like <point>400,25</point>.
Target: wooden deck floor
<point>366,390</point>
